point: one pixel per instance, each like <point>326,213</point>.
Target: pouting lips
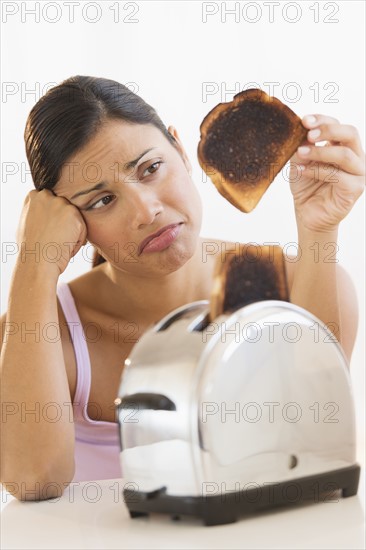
<point>145,241</point>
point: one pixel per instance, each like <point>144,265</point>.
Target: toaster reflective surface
<point>258,397</point>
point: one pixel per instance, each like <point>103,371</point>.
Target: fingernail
<point>313,134</point>
<point>303,150</point>
<point>310,120</point>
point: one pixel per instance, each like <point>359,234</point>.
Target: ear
<point>182,151</point>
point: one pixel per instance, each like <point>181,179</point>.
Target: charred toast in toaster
<point>253,274</point>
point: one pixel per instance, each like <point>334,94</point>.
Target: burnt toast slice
<point>254,273</point>
<point>245,143</point>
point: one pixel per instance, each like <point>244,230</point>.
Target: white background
<point>169,55</point>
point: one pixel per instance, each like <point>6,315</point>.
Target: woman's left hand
<point>327,180</point>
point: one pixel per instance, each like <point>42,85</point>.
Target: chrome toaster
<point>221,418</point>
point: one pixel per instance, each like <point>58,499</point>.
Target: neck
<point>148,299</point>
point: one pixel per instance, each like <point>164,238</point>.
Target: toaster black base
<point>227,507</point>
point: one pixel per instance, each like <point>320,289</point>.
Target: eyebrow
<point>102,184</point>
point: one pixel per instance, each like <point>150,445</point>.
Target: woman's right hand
<point>51,226</point>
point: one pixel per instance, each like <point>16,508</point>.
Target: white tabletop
<point>93,515</point>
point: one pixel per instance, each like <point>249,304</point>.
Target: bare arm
<point>37,430</point>
<point>326,181</point>
<point>319,284</point>
<point>37,437</point>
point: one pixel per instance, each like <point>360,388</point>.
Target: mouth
<point>161,239</point>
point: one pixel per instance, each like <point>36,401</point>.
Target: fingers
<point>325,128</point>
<point>343,158</point>
<point>313,121</point>
<point>318,174</point>
<point>322,173</point>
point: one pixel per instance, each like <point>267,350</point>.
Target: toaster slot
<point>183,312</point>
<point>202,323</point>
<point>154,401</point>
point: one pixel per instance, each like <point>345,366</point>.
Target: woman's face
<point>146,186</point>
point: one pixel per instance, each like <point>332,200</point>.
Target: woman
<point>108,172</point>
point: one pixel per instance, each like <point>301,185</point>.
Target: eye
<point>157,164</point>
<point>95,207</point>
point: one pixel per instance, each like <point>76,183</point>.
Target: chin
<point>172,258</point>
<point>161,263</point>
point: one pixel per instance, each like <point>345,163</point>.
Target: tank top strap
<point>83,367</point>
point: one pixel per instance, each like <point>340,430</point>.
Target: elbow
<point>46,484</point>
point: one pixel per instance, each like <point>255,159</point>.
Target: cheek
<point>186,195</point>
<point>102,234</point>
<point>194,202</point>
<point>111,239</point>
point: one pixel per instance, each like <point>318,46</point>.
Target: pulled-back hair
<point>67,117</point>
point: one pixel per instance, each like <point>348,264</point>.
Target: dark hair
<point>69,115</point>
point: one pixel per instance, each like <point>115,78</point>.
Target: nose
<point>143,206</point>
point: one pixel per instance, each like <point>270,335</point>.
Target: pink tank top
<point>97,447</point>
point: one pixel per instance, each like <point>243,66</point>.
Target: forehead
<point>116,141</point>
